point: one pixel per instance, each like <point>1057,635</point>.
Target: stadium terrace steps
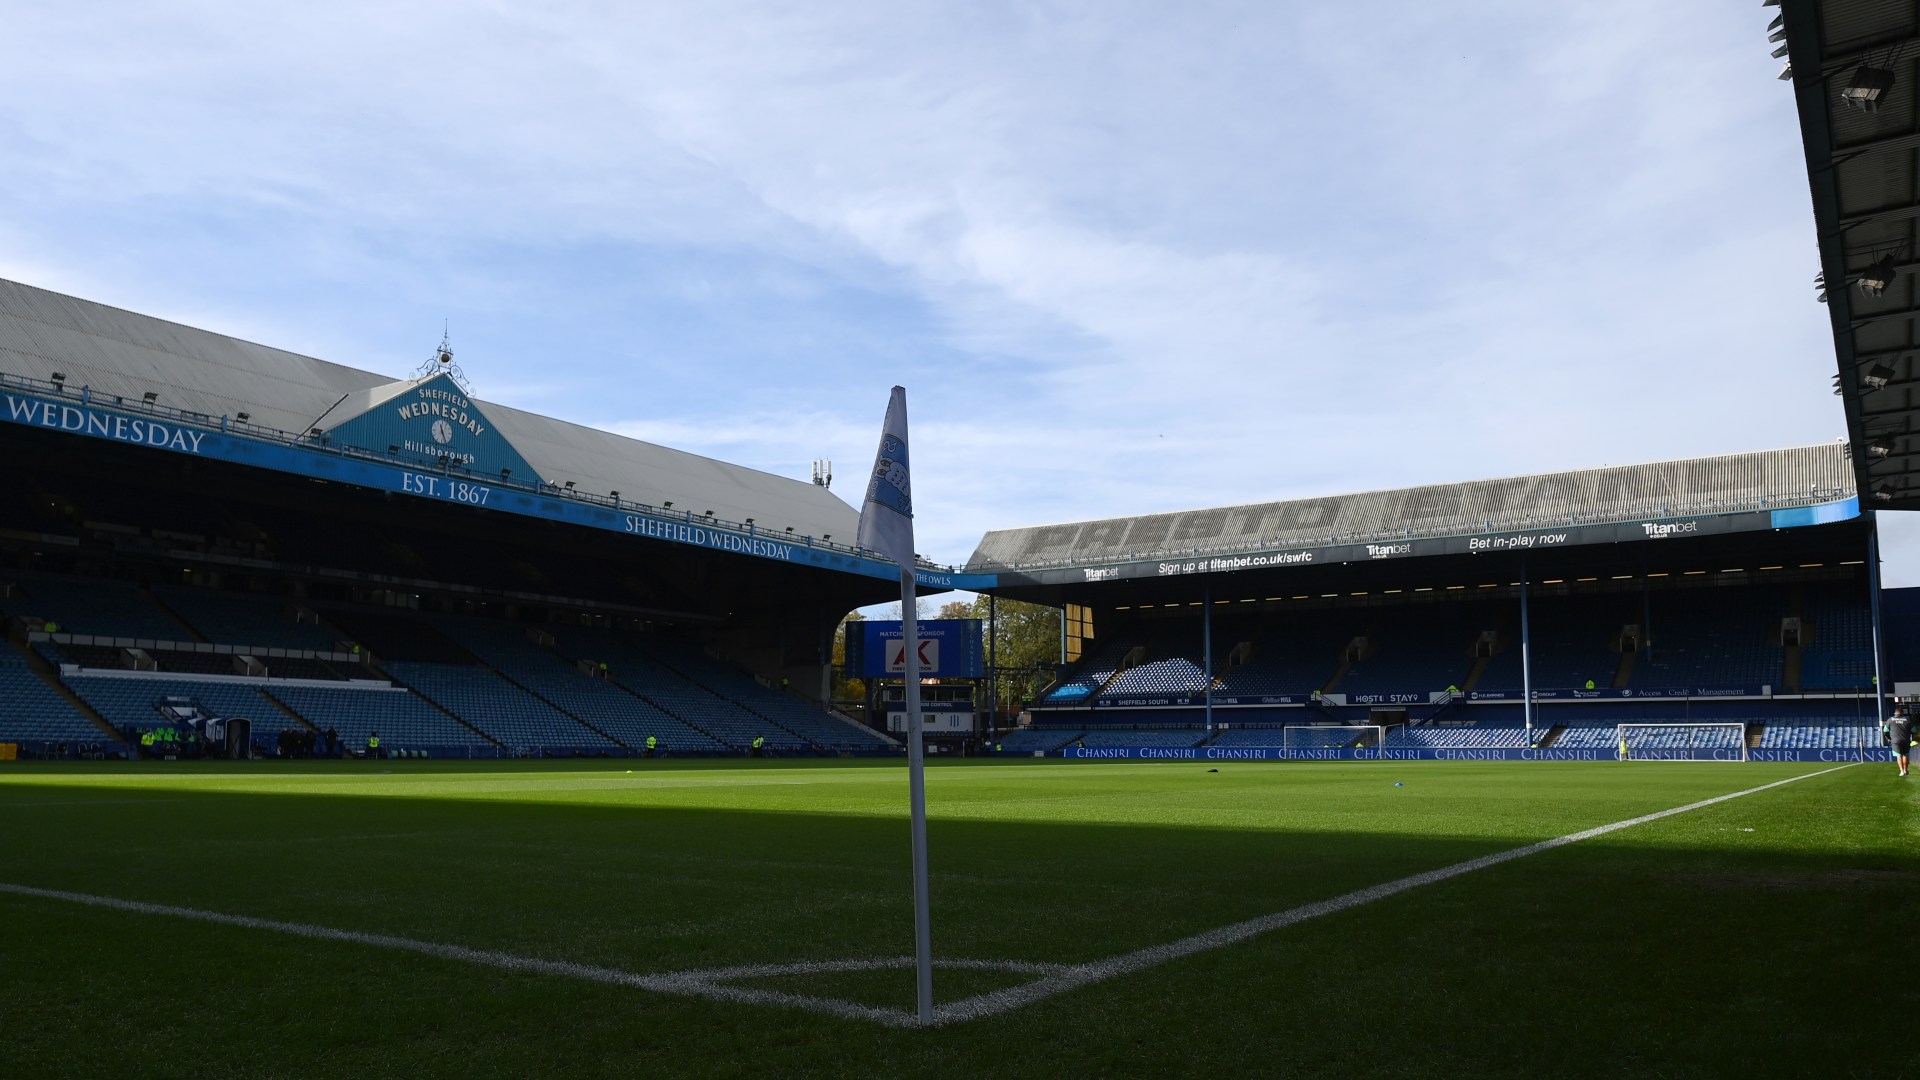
<point>32,710</point>
<point>398,637</point>
<point>403,719</point>
<point>600,704</point>
<point>241,619</point>
<point>804,719</point>
<point>1031,740</point>
<point>100,607</point>
<point>492,705</point>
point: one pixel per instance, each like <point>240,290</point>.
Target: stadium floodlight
<point>668,505</point>
<point>789,528</point>
<point>1777,29</point>
<point>569,485</point>
<point>1867,87</point>
<point>1880,447</point>
<point>1780,52</point>
<point>58,376</point>
<point>242,417</point>
<point>150,397</point>
<point>1785,72</point>
<point>393,448</point>
<point>1876,377</point>
<point>504,473</point>
<point>1874,279</point>
<point>1884,493</point>
<point>614,495</point>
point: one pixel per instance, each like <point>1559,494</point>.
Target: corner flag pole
<point>886,527</point>
<point>917,799</point>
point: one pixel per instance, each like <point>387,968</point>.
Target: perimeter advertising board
<point>949,649</point>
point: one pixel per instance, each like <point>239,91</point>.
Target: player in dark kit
<point>1898,732</point>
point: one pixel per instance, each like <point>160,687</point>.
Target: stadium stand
<point>1030,740</point>
<point>1086,679</point>
<point>1837,645</point>
<point>1146,737</point>
<point>134,700</point>
<point>808,721</point>
<point>239,619</point>
<point>602,703</point>
<point>496,707</point>
<point>93,606</point>
<point>31,712</point>
<point>403,720</point>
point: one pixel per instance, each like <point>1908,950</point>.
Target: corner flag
<point>886,518</point>
<point>886,526</point>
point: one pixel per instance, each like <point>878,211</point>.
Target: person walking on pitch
<point>1897,732</point>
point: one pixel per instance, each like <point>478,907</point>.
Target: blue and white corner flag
<point>886,518</point>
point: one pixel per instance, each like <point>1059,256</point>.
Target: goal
<point>1316,740</point>
<point>1681,742</point>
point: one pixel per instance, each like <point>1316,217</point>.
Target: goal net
<point>1310,740</point>
<point>1681,742</point>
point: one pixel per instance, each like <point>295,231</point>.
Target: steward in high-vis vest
<point>373,746</point>
<point>759,744</point>
<point>651,743</point>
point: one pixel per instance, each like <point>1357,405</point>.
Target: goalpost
<point>1681,742</point>
<point>1313,740</point>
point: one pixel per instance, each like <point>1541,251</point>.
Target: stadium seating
<point>134,700</point>
<point>240,619</point>
<point>1175,677</point>
<point>1145,737</point>
<point>508,714</point>
<point>30,710</point>
<point>1815,735</point>
<point>1837,650</point>
<point>1086,678</point>
<point>600,702</point>
<point>1030,740</point>
<point>95,606</point>
<point>1457,736</point>
<point>1417,650</point>
<point>635,669</point>
<point>402,719</point>
<point>1713,638</point>
<point>802,718</point>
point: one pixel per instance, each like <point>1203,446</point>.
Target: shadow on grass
<point>1649,950</point>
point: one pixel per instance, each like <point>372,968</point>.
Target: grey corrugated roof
<point>121,353</point>
<point>1865,184</point>
<point>1714,485</point>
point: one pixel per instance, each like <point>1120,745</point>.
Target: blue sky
<point>1126,257</point>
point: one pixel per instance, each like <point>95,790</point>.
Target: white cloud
<point>1127,258</point>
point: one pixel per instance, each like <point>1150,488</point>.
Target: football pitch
<point>751,918</point>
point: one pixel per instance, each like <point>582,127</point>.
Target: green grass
<point>1764,935</point>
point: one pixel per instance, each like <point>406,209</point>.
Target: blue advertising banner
<point>949,648</point>
<point>1476,753</point>
<point>219,439</point>
<point>1628,694</point>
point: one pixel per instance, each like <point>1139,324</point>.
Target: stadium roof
<point>121,354</point>
<point>1855,69</point>
<point>1735,484</point>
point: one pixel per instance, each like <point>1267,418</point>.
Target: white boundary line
<point>716,983</point>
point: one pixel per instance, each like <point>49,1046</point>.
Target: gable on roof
<point>428,421</point>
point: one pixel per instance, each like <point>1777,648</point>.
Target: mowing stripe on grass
<point>1126,963</point>
<point>717,983</point>
<point>686,984</point>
